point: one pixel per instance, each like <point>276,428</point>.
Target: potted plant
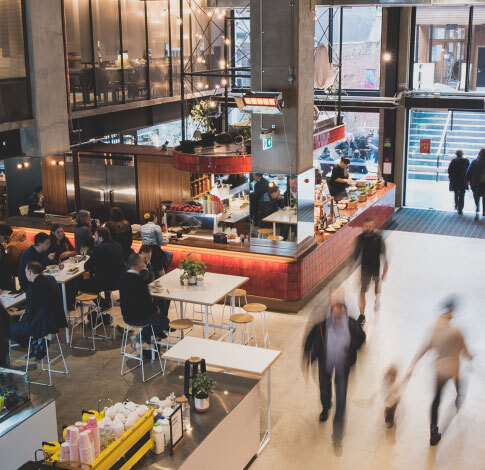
<point>379,183</point>
<point>352,204</point>
<point>371,189</point>
<point>363,196</point>
<point>201,115</point>
<point>202,387</point>
<point>193,269</point>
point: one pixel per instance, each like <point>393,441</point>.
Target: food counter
<point>282,277</point>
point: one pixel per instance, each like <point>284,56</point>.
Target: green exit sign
<point>267,143</point>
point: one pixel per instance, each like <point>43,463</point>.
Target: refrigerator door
<point>121,185</point>
<point>92,185</point>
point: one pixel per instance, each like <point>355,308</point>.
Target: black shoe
<point>162,335</point>
<point>361,320</point>
<point>323,416</point>
<point>477,217</point>
<point>435,436</point>
<point>460,212</point>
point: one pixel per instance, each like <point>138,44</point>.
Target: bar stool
<point>94,314</point>
<point>139,358</point>
<point>275,238</point>
<point>243,320</point>
<point>49,369</point>
<point>238,295</point>
<point>259,308</point>
<point>181,325</point>
<point>264,232</point>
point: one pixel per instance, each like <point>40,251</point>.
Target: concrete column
<point>282,41</point>
<point>47,80</point>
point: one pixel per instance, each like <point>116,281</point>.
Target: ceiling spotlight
<point>222,63</point>
<point>26,164</point>
<point>209,14</point>
<point>386,56</point>
<point>199,59</point>
<point>212,104</point>
<point>227,41</point>
<point>199,84</point>
<point>61,162</point>
<point>19,166</point>
<point>224,81</point>
<point>207,86</point>
<point>53,162</point>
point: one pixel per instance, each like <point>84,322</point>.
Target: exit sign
<point>267,143</point>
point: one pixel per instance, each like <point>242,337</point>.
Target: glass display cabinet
<point>14,392</point>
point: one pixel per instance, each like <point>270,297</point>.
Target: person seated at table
<point>357,164</point>
<point>44,313</point>
<point>120,230</point>
<point>269,203</point>
<point>7,281</point>
<point>149,276</point>
<point>60,244</point>
<point>82,233</point>
<point>39,252</point>
<point>137,305</point>
<point>151,235</point>
<point>106,264</point>
<point>36,201</point>
<point>290,196</point>
<point>340,180</point>
<point>17,244</point>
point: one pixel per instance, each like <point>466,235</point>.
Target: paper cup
<point>84,440</point>
<point>65,455</point>
<point>74,452</point>
<point>72,434</point>
<point>86,455</point>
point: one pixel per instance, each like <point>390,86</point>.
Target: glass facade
<point>14,91</point>
<point>477,55</point>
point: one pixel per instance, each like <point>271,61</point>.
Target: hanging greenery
<point>201,115</point>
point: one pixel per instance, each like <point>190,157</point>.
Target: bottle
<point>158,437</point>
<point>165,424</point>
<point>184,403</point>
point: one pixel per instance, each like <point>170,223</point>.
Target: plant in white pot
<point>202,387</point>
<point>193,270</point>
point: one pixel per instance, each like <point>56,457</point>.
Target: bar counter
<point>282,278</point>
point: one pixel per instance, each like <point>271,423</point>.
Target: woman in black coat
<point>458,180</point>
<point>120,230</point>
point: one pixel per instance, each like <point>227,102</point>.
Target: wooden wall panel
<point>54,184</point>
<point>174,184</point>
<point>148,187</point>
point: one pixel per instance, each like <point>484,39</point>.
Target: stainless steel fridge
<point>105,181</point>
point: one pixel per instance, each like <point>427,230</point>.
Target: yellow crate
<point>117,449</point>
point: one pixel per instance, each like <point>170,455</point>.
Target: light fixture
<point>199,59</point>
<point>262,103</point>
<point>26,164</point>
<point>217,86</point>
<point>61,162</point>
<point>212,104</point>
<point>386,57</point>
<point>222,63</point>
<point>207,86</point>
<point>224,81</point>
<point>227,41</point>
<point>179,21</point>
<point>19,166</point>
<point>53,162</point>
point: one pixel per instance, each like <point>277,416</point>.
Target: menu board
<point>176,428</point>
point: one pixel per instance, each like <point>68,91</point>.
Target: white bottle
<point>165,424</point>
<point>158,437</point>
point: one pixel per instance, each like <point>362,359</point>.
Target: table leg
<point>267,435</point>
<point>182,335</point>
<point>206,321</point>
<point>233,302</point>
<point>274,228</point>
<point>64,303</point>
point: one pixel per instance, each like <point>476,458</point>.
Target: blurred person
<point>82,233</point>
<point>476,177</point>
<point>7,281</point>
<point>60,245</point>
<point>270,202</point>
<point>36,201</point>
<point>448,343</point>
<point>327,163</point>
<point>334,343</point>
<point>340,180</point>
<point>39,252</point>
<point>120,230</point>
<point>151,235</point>
<point>392,390</point>
<point>17,243</point>
<point>457,170</point>
<point>44,312</point>
<point>260,188</point>
<point>357,164</point>
<point>106,264</point>
<point>292,191</point>
<point>369,251</point>
<point>347,146</point>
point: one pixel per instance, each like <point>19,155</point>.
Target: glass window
<point>477,56</point>
<point>242,45</point>
<point>14,102</point>
<point>134,49</point>
<point>159,47</point>
<point>80,54</point>
<point>158,135</point>
<point>107,54</point>
<point>175,39</point>
<point>440,48</point>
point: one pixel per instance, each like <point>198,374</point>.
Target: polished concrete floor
<point>424,269</point>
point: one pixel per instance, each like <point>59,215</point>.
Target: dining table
<point>286,216</point>
<point>214,288</point>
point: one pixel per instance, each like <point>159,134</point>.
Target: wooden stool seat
<point>265,231</point>
<point>275,238</point>
<point>15,313</point>
<point>254,308</point>
<point>239,292</point>
<point>85,297</point>
<point>241,318</point>
<point>181,324</point>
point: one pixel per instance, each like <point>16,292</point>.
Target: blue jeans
<point>341,379</point>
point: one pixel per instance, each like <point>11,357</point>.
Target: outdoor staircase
<point>448,131</point>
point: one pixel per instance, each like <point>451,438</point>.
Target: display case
<point>14,392</point>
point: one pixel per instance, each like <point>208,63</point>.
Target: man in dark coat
<point>458,181</point>
<point>137,305</point>
<point>476,177</point>
<point>334,343</point>
<point>37,252</point>
<point>6,277</point>
<point>44,313</point>
<point>106,264</point>
<point>36,202</point>
<point>260,189</point>
<point>357,164</point>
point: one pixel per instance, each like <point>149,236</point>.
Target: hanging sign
<point>424,145</point>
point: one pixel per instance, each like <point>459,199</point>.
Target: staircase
<point>448,131</point>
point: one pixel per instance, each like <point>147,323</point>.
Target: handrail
<point>443,135</point>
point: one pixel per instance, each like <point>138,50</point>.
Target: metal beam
<point>396,3</point>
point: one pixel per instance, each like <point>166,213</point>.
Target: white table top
<point>224,355</point>
<point>282,217</point>
<point>62,276</point>
<point>9,301</point>
<point>214,288</point>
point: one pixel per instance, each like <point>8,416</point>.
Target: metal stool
<point>259,308</point>
<point>275,238</point>
<point>238,295</point>
<point>94,314</point>
<point>264,232</point>
<point>49,361</point>
<point>181,325</point>
<point>243,319</point>
<point>139,358</point>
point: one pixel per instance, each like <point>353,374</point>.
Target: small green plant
<point>201,115</point>
<point>203,385</point>
<point>363,192</point>
<point>192,268</point>
<point>293,202</point>
<point>379,179</point>
<point>352,199</point>
<point>371,186</point>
